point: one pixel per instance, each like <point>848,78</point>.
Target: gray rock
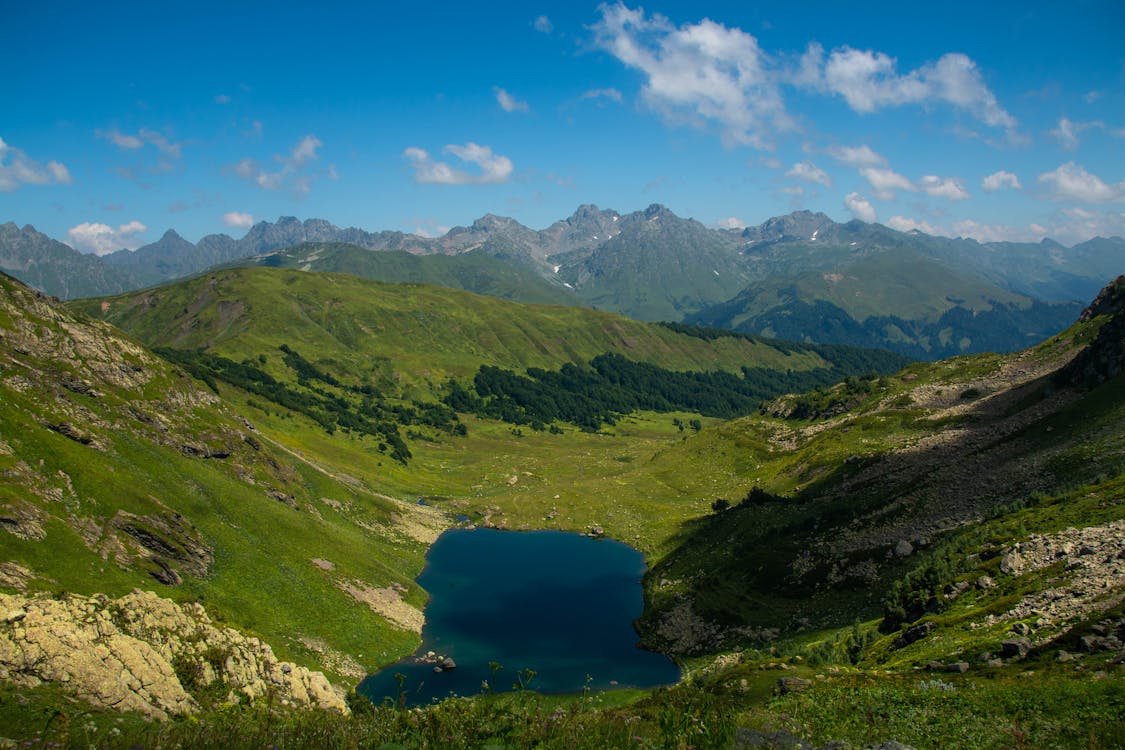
<point>1064,656</point>
<point>957,666</point>
<point>1015,647</point>
<point>913,633</point>
<point>904,548</point>
<point>985,582</point>
<point>448,663</point>
<point>1021,628</point>
<point>1011,563</point>
<point>1091,643</point>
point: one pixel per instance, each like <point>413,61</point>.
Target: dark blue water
<point>558,603</point>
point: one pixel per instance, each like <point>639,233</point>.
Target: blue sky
<point>990,120</point>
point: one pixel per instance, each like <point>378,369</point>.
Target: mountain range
<point>801,276</point>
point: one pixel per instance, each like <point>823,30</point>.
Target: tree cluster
<point>321,397</point>
<point>610,386</point>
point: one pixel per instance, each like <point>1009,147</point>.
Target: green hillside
<point>845,479</point>
<point>408,335</point>
<point>122,473</point>
<point>893,298</point>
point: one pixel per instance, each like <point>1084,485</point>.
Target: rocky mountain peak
<point>802,225</point>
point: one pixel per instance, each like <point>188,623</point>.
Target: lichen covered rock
<point>146,654</point>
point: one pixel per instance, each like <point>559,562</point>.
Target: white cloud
<point>860,207</point>
<point>304,151</point>
<point>943,187</point>
<point>995,232</point>
<point>507,102</point>
<point>1079,224</point>
<point>1069,226</point>
<point>885,181</point>
<point>868,81</point>
<point>954,78</point>
<point>772,162</point>
<point>906,224</point>
<point>1092,96</point>
<point>706,73</point>
<point>1001,179</point>
<point>543,25</point>
<point>1065,134</point>
<point>429,227</point>
<point>144,136</point>
<point>731,222</point>
<point>1071,182</point>
<point>102,239</point>
<point>59,172</point>
<point>809,172</point>
<point>856,156</point>
<point>494,168</point>
<point>16,169</point>
<point>1068,131</point>
<point>117,138</point>
<point>610,93</point>
<point>698,73</point>
<point>222,98</point>
<point>291,170</point>
<point>238,219</point>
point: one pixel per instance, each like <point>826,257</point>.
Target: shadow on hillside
<point>827,555</point>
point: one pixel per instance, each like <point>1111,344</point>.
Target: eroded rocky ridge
<point>147,654</point>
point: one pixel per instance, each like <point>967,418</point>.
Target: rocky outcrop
<point>1104,358</point>
<point>146,654</point>
<point>1093,578</point>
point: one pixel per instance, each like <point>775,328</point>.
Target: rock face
<point>145,653</point>
<point>1105,357</point>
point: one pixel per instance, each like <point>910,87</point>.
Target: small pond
<point>557,603</point>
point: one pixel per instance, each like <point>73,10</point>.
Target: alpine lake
<point>549,611</point>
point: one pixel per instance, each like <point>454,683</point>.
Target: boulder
<point>1015,648</point>
<point>913,633</point>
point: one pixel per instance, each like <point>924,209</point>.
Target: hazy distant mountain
<point>657,266</point>
<point>869,285</point>
<point>474,271</point>
<point>169,257</point>
<point>55,268</point>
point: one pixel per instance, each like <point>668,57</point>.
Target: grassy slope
<point>262,578</point>
<point>897,283</point>
<point>404,333</point>
<point>474,271</point>
<point>932,450</point>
